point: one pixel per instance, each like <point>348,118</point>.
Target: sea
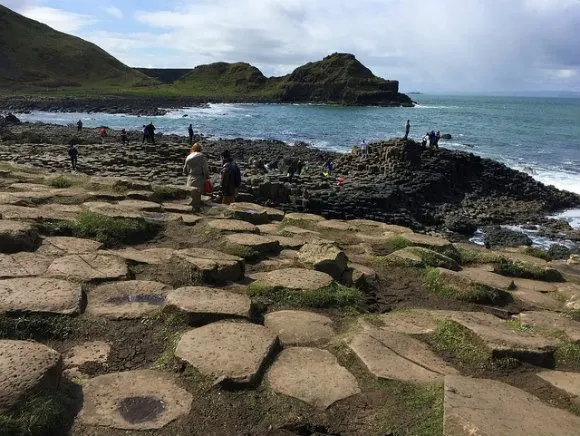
<point>538,135</point>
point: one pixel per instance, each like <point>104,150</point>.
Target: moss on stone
<point>528,271</point>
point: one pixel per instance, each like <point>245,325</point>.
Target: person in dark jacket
<point>145,134</point>
<point>407,129</point>
<point>432,139</point>
<point>124,137</point>
<point>79,125</point>
<point>73,154</point>
<point>437,138</point>
<point>151,132</point>
<point>190,131</point>
<point>231,178</point>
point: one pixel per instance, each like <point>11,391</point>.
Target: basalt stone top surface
<point>127,299</point>
<point>296,278</point>
<point>40,295</point>
<point>26,367</point>
<point>133,400</point>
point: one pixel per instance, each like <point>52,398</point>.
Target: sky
<point>475,46</point>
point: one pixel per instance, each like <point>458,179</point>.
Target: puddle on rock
<point>153,299</point>
<point>136,410</point>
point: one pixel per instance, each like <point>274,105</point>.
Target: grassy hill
<point>36,56</point>
<point>339,78</point>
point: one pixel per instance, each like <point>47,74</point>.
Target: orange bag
<point>207,187</point>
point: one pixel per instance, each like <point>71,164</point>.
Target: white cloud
<point>68,22</point>
<point>114,12</point>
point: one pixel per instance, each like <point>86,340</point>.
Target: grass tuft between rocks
<point>567,354</point>
<point>48,414</point>
<point>418,410</point>
<point>476,293</point>
<point>539,253</point>
<point>60,182</point>
<point>452,338</point>
<point>528,271</point>
<point>333,296</point>
<point>38,327</point>
<point>477,257</point>
<point>108,230</point>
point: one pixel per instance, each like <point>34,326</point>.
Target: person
<point>407,129</point>
<point>79,125</point>
<point>197,171</point>
<point>102,134</point>
<point>73,154</point>
<point>145,134</point>
<point>124,137</point>
<point>432,139</point>
<point>364,149</point>
<point>425,140</point>
<point>151,132</point>
<point>437,138</point>
<point>231,178</point>
<point>328,166</point>
<point>190,131</point>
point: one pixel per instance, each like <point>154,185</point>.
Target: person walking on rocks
<point>79,125</point>
<point>425,140</point>
<point>197,171</point>
<point>231,178</point>
<point>124,137</point>
<point>145,134</point>
<point>437,138</point>
<point>73,154</point>
<point>190,131</point>
<point>151,132</point>
<point>407,129</point>
<point>432,138</point>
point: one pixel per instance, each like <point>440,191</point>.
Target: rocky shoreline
<point>399,182</point>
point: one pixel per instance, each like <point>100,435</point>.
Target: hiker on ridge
<point>197,171</point>
<point>407,129</point>
<point>190,131</point>
<point>231,178</point>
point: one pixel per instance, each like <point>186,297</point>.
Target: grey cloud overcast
<point>443,45</point>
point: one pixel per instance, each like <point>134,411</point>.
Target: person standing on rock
<point>124,137</point>
<point>190,131</point>
<point>79,125</point>
<point>432,138</point>
<point>437,138</point>
<point>407,129</point>
<point>151,132</point>
<point>197,171</point>
<point>231,178</point>
<point>425,140</point>
<point>73,154</point>
<point>364,149</point>
<point>145,134</point>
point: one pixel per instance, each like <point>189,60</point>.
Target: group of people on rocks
<point>431,139</point>
<point>197,171</point>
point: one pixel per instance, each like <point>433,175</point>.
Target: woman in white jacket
<point>197,171</point>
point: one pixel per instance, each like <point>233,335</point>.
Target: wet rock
<point>460,224</point>
<point>497,237</point>
<point>558,251</point>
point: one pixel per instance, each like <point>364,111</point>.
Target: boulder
<point>324,256</point>
<point>311,375</point>
<point>300,328</point>
<point>133,400</point>
<point>488,407</point>
<point>16,236</point>
<point>214,266</point>
<point>460,224</point>
<point>228,352</point>
<point>498,237</point>
<point>26,368</point>
<point>557,251</point>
